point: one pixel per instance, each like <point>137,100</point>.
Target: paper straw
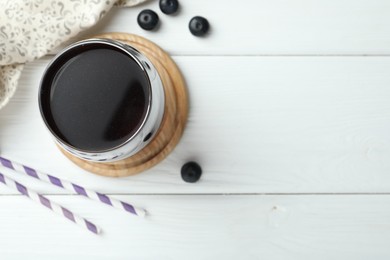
<point>100,197</point>
<point>80,221</point>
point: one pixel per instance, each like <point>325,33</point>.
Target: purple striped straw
<point>49,204</point>
<point>72,187</point>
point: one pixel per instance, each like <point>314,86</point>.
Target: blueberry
<point>147,19</point>
<point>191,172</point>
<point>199,26</point>
<point>169,6</point>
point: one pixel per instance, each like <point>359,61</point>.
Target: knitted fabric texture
<point>29,29</point>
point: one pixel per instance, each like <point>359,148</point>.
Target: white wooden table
<point>289,118</point>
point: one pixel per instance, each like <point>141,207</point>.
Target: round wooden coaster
<point>173,122</point>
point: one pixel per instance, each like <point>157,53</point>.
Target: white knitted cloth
<point>29,29</point>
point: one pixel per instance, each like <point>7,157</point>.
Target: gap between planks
<point>225,194</point>
<point>267,55</point>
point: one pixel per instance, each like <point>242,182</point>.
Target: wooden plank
<point>302,124</point>
<point>261,27</point>
<point>203,227</point>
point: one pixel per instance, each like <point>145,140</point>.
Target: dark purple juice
<point>95,98</point>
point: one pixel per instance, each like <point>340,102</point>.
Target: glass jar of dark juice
<point>101,99</point>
